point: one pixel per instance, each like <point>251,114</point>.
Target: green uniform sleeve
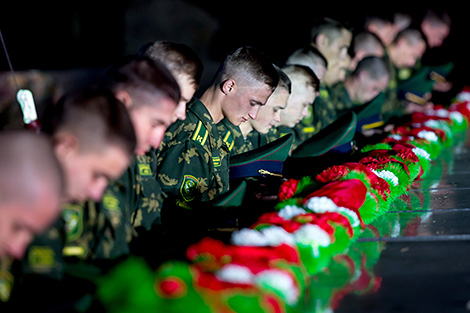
<point>185,172</point>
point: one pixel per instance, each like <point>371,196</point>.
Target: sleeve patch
<point>188,188</point>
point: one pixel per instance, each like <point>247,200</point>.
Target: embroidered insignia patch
<point>6,282</point>
<point>188,188</point>
<point>216,161</point>
<point>200,134</point>
<point>73,216</point>
<point>41,258</point>
<point>144,170</point>
<point>110,202</point>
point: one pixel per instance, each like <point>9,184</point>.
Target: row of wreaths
<point>303,256</point>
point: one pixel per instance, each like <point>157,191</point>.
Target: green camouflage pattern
<point>193,162</point>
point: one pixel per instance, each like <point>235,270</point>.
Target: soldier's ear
<point>65,144</point>
<point>124,97</point>
<point>321,41</point>
<point>228,86</point>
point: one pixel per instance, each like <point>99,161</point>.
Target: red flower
<point>332,174</point>
<point>288,189</point>
<point>171,287</point>
<point>349,193</point>
<point>406,153</point>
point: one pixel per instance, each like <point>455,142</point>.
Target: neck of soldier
<point>350,86</point>
<point>245,128</point>
<point>211,99</point>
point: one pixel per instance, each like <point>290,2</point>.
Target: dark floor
<point>424,259</point>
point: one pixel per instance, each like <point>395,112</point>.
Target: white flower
<point>249,237</point>
<point>388,176</point>
<point>463,96</point>
<point>270,236</point>
<point>428,135</point>
<point>276,235</point>
<point>314,236</point>
<point>325,204</point>
<point>236,274</point>
<point>456,116</point>
<point>441,113</point>
<point>290,211</point>
<point>321,205</point>
<point>279,281</point>
<point>421,153</point>
<point>432,124</point>
<point>395,136</point>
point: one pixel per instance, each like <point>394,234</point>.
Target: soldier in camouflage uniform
<point>313,59</point>
<point>31,197</point>
<point>304,87</point>
<point>332,39</point>
<point>250,135</point>
<point>186,67</point>
<point>194,159</point>
<point>93,139</point>
<point>403,53</point>
<point>150,94</point>
<point>370,77</point>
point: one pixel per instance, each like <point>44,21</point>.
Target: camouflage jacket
<point>193,163</point>
<point>232,136</point>
<point>148,193</point>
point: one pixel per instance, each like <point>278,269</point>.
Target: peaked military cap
<point>265,160</point>
<point>338,134</point>
<point>414,88</point>
<point>232,198</point>
<point>369,115</point>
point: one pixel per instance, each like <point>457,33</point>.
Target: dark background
<point>60,35</point>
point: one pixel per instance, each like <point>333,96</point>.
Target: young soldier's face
<point>408,54</point>
<point>243,102</point>
<point>20,223</point>
<point>369,88</point>
<point>89,172</point>
<point>150,123</point>
<point>187,88</point>
<point>270,114</point>
<point>301,98</point>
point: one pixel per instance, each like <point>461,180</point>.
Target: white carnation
<point>321,205</point>
<point>235,274</point>
<point>249,237</point>
<point>314,236</point>
<point>388,176</point>
<point>276,235</point>
<point>421,153</point>
<point>432,124</point>
<point>325,204</point>
<point>441,113</point>
<point>290,211</point>
<point>281,282</point>
<point>428,135</point>
<point>270,236</point>
<point>395,136</point>
<point>456,116</point>
<point>463,96</point>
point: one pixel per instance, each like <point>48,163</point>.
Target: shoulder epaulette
<point>200,134</point>
<point>228,140</point>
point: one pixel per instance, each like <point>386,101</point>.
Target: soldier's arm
<point>184,171</point>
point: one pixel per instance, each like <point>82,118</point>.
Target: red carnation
<point>171,287</point>
<point>288,189</point>
<point>332,174</point>
<point>349,193</point>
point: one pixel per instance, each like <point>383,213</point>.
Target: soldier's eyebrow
<point>256,102</point>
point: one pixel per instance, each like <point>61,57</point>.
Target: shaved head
<point>31,186</point>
